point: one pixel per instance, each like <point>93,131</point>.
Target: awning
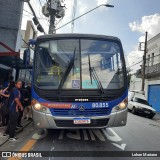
<point>14,62</point>
<point>12,58</point>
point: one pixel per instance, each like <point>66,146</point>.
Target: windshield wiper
<point>95,76</point>
<point>71,63</point>
<point>90,69</point>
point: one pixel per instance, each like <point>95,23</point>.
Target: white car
<point>141,106</point>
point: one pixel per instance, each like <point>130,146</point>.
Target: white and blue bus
<point>79,81</point>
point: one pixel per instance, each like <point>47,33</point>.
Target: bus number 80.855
<point>100,105</point>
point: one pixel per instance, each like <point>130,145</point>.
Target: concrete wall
<point>153,46</point>
<point>136,84</point>
<point>10,22</point>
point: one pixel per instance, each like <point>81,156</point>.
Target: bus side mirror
<point>26,57</point>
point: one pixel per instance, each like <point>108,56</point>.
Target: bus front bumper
<point>48,121</point>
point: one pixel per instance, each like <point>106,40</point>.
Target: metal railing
<point>152,70</point>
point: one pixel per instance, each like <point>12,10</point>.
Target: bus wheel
<point>134,110</point>
<point>150,117</point>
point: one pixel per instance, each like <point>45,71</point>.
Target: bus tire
<point>134,110</point>
<point>150,117</point>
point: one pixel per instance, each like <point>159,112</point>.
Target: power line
<point>36,19</point>
<point>32,14</point>
<point>28,12</point>
<point>27,44</point>
<point>40,3</point>
<point>146,59</point>
<point>136,63</point>
<point>44,19</point>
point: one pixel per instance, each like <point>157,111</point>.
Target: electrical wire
<point>31,8</point>
<point>27,44</point>
<point>32,14</point>
<point>28,12</point>
<point>146,60</point>
<point>40,3</point>
<point>44,19</point>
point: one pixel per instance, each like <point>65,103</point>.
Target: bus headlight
<point>120,107</point>
<point>38,107</point>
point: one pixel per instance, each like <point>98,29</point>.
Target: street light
<point>106,5</point>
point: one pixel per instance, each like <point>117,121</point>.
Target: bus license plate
<point>81,121</point>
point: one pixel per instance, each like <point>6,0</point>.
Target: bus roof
<point>76,35</point>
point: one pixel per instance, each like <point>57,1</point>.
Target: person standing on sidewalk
<point>28,109</point>
<point>23,99</point>
<point>5,95</point>
<point>14,105</point>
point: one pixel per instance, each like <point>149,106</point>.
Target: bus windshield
<point>78,64</point>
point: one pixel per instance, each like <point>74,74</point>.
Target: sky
<point>128,20</point>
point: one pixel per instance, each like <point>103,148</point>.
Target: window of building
<point>148,60</point>
<point>152,60</point>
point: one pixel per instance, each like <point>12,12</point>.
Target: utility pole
<point>74,13</point>
<point>144,62</point>
<point>52,22</point>
<point>53,10</point>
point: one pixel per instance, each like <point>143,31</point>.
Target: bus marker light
<point>33,102</point>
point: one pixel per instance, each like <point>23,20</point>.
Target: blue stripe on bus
<point>90,108</point>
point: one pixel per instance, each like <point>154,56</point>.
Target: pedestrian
<point>7,82</point>
<point>1,89</point>
<point>23,102</point>
<point>27,111</point>
<point>14,106</point>
<point>5,93</point>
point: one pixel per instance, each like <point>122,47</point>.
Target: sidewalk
<point>2,129</point>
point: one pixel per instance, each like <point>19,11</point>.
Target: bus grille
<point>94,123</point>
<point>90,99</point>
<point>77,112</point>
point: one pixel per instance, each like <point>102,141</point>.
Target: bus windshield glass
<point>78,64</point>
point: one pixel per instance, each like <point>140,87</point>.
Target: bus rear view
<point>79,81</point>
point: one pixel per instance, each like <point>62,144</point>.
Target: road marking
<point>85,135</point>
<point>61,134</point>
<point>52,149</point>
<point>91,135</point>
<point>122,146</point>
<point>97,133</point>
<point>114,136</point>
<point>74,135</point>
<point>101,134</point>
<point>27,147</point>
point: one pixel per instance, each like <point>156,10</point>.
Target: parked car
<point>139,105</point>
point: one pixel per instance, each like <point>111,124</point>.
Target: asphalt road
<point>140,134</point>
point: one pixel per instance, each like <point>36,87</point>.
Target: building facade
<point>152,74</point>
<point>10,23</point>
<point>29,33</point>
